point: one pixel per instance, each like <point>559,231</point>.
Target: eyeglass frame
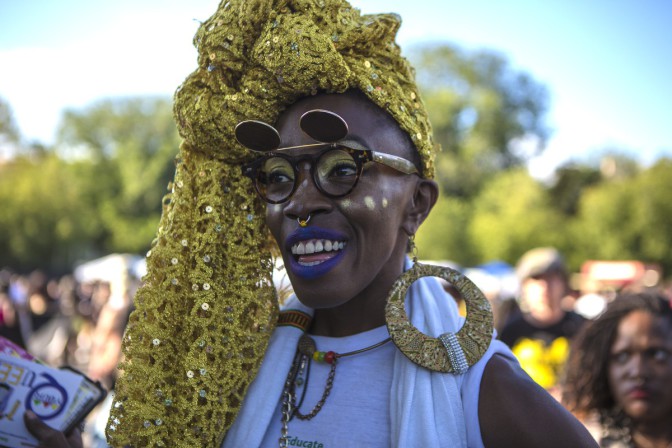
<point>359,153</point>
<point>359,156</point>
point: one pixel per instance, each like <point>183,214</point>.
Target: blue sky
<point>607,63</point>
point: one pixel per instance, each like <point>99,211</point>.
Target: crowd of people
<point>610,370</point>
<point>62,321</point>
<point>71,321</point>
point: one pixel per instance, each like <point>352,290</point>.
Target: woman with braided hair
<point>305,137</point>
<point>620,368</point>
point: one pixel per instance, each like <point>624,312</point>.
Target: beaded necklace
<point>305,353</point>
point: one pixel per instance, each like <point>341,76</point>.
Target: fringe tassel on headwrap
<point>204,315</point>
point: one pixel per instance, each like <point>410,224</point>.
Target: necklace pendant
<point>307,345</point>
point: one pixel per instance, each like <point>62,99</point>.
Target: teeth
<point>316,246</point>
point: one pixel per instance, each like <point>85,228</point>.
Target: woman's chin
<point>320,299</point>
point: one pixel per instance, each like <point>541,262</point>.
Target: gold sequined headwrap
<point>204,316</point>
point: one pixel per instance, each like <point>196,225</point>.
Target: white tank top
<point>356,413</point>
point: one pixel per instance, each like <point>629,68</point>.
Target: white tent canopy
<point>107,268</point>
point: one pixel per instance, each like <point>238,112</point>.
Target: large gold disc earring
<point>449,353</point>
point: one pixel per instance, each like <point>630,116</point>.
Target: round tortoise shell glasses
<point>335,170</point>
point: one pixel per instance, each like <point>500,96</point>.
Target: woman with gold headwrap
<point>304,120</point>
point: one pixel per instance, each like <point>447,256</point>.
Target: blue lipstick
<point>309,233</point>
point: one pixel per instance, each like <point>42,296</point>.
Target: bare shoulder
<point>513,410</point>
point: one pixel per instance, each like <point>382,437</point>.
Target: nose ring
<point>303,222</point>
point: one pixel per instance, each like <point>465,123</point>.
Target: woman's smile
<point>314,251</point>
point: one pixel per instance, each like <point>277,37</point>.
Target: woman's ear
<point>424,197</point>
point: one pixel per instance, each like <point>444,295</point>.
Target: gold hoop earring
<point>449,353</point>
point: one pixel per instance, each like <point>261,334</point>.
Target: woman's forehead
<point>365,121</point>
<point>346,103</point>
<point>640,323</point>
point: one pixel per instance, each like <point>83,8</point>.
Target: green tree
<point>486,115</point>
<point>132,143</point>
<point>514,213</point>
<point>445,233</point>
<point>8,130</point>
<point>571,180</point>
<point>43,224</point>
<point>627,218</point>
<point>98,191</point>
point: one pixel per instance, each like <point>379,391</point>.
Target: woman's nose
<point>307,198</point>
<point>639,366</point>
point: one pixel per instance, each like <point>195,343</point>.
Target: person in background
<point>539,335</point>
<point>619,372</point>
<point>9,325</point>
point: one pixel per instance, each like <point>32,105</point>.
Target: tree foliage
<point>445,234</point>
<point>43,223</point>
<point>98,191</point>
<point>571,181</point>
<point>628,218</point>
<point>484,114</point>
<point>8,130</point>
<point>513,212</point>
<point>131,144</point>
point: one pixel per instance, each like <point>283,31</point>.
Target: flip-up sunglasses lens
<point>323,125</point>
